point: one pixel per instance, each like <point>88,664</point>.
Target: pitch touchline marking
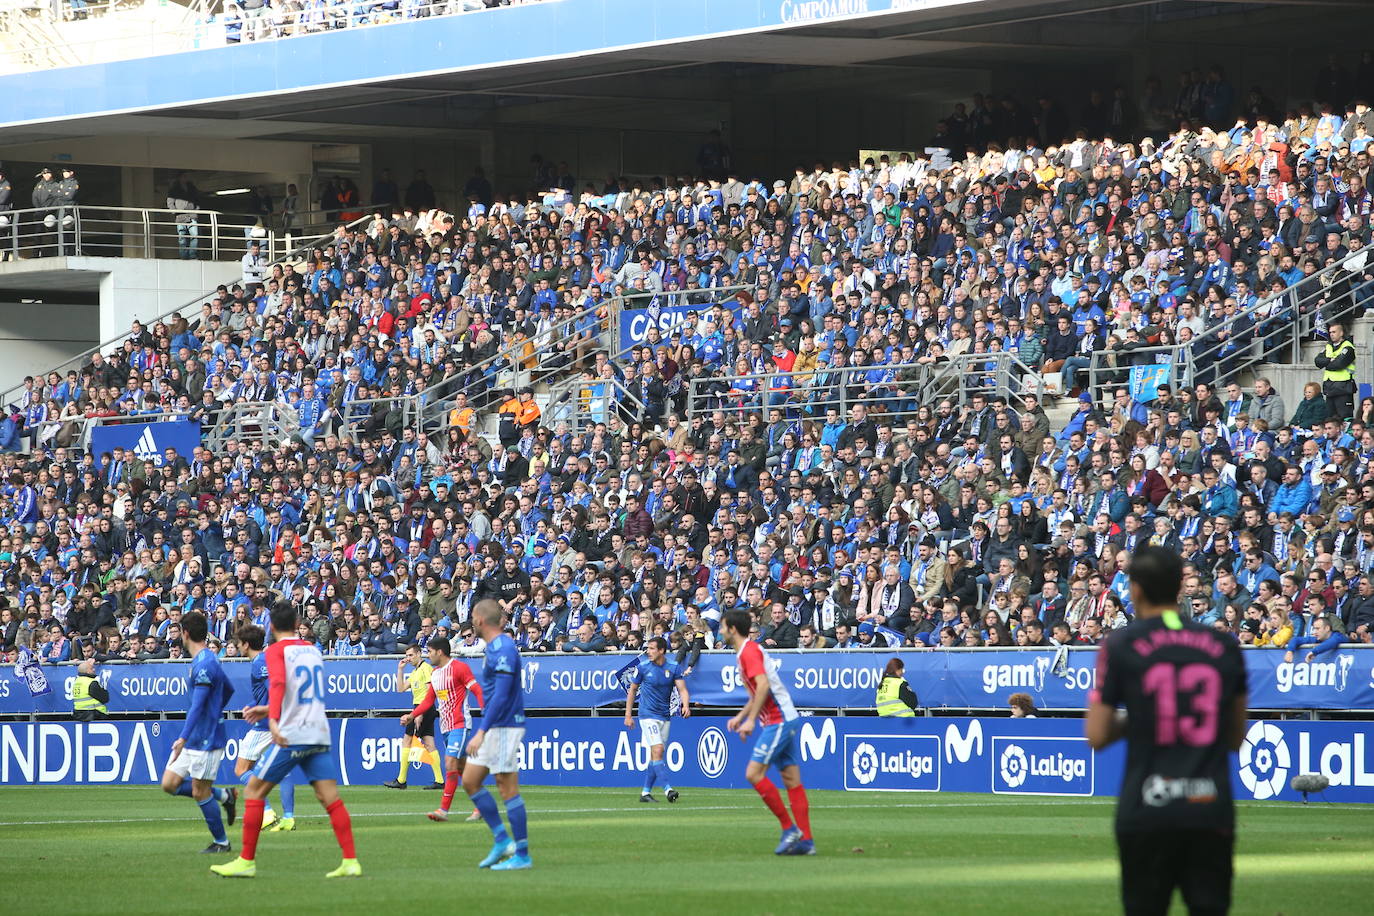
<point>1083,802</point>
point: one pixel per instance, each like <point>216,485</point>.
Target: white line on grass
<point>1020,803</point>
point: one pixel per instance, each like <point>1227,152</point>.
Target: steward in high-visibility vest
<point>895,696</point>
<point>89,696</point>
<point>1337,362</point>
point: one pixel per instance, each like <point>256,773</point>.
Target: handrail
<point>1205,350</point>
<point>572,401</point>
<point>79,361</point>
<point>98,231</point>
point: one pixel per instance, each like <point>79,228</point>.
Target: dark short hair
<point>1158,573</point>
<point>284,618</point>
<point>194,626</point>
<point>250,635</point>
<point>739,621</point>
<point>441,644</point>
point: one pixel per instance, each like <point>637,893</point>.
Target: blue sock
<point>210,809</point>
<point>288,798</point>
<point>185,788</point>
<point>660,769</point>
<point>486,806</point>
<point>650,775</point>
<point>217,794</point>
<point>515,810</point>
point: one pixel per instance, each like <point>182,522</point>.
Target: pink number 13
<point>1197,727</point>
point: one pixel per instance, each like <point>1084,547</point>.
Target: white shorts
<point>653,731</point>
<point>197,764</point>
<point>500,751</point>
<point>254,744</point>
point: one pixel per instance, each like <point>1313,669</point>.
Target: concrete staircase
<point>1288,379</point>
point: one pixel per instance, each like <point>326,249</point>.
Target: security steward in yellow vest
<point>895,696</point>
<point>1337,362</point>
<point>89,696</point>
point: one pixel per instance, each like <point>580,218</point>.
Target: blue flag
<point>31,673</point>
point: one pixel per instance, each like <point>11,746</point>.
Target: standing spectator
<point>184,198</point>
<point>1337,362</point>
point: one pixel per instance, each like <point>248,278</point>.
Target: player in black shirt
<point>1183,689</point>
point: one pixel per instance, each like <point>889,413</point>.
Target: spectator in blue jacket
<point>377,639</point>
<point>1293,495</point>
<point>1324,638</point>
<point>9,434</point>
<point>1219,498</point>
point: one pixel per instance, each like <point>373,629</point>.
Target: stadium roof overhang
<point>597,59</point>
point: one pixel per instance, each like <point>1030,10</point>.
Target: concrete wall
<point>35,337</point>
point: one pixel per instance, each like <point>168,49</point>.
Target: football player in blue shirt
<point>654,681</point>
<point>495,745</point>
<point>196,755</point>
<point>258,738</point>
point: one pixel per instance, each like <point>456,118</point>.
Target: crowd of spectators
<point>943,524</point>
<point>260,20</point>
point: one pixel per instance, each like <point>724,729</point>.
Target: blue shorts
<point>456,743</point>
<point>776,745</point>
<point>315,762</point>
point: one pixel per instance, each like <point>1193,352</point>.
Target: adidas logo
<point>146,449</point>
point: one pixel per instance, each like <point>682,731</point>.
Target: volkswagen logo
<point>713,752</point>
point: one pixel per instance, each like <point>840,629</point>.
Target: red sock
<point>252,826</point>
<point>450,786</point>
<point>801,809</point>
<point>343,827</point>
<point>773,800</point>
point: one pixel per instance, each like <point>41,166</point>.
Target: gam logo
<point>1334,674</point>
<point>713,752</point>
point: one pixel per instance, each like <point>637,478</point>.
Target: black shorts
<point>422,727</point>
<point>1197,862</point>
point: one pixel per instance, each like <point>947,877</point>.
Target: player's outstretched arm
<point>1104,726</point>
<point>630,706</point>
<point>682,695</point>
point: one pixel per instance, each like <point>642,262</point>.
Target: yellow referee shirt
<point>418,679</point>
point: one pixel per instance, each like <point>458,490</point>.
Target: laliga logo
<point>1264,760</point>
<point>865,763</point>
<point>712,752</point>
<point>1014,766</point>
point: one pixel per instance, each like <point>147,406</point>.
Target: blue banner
<point>147,440</point>
<point>635,323</point>
<point>942,679</point>
<point>1146,379</point>
<point>1000,755</point>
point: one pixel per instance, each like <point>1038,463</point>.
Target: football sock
<point>486,806</point>
<point>434,765</point>
<point>660,769</point>
<point>288,798</point>
<point>185,788</point>
<point>217,794</point>
<point>515,810</point>
<point>209,809</point>
<point>405,765</point>
<point>801,809</point>
<point>450,786</point>
<point>650,775</point>
<point>773,800</point>
<point>252,827</point>
<point>343,827</point>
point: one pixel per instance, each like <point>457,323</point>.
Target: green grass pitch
<point>99,851</point>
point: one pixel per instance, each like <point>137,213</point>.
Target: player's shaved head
<point>488,611</point>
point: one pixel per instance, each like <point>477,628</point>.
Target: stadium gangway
<point>128,232</point>
<point>905,388</point>
<point>1278,325</point>
<point>584,402</point>
<point>80,360</point>
<point>75,431</point>
<point>268,423</point>
<point>526,362</point>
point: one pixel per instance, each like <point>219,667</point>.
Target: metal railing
<point>267,423</point>
<point>80,360</point>
<point>233,25</point>
<point>1270,331</point>
<point>127,232</point>
<point>521,363</point>
<point>359,419</point>
<point>584,402</point>
<point>899,392</point>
